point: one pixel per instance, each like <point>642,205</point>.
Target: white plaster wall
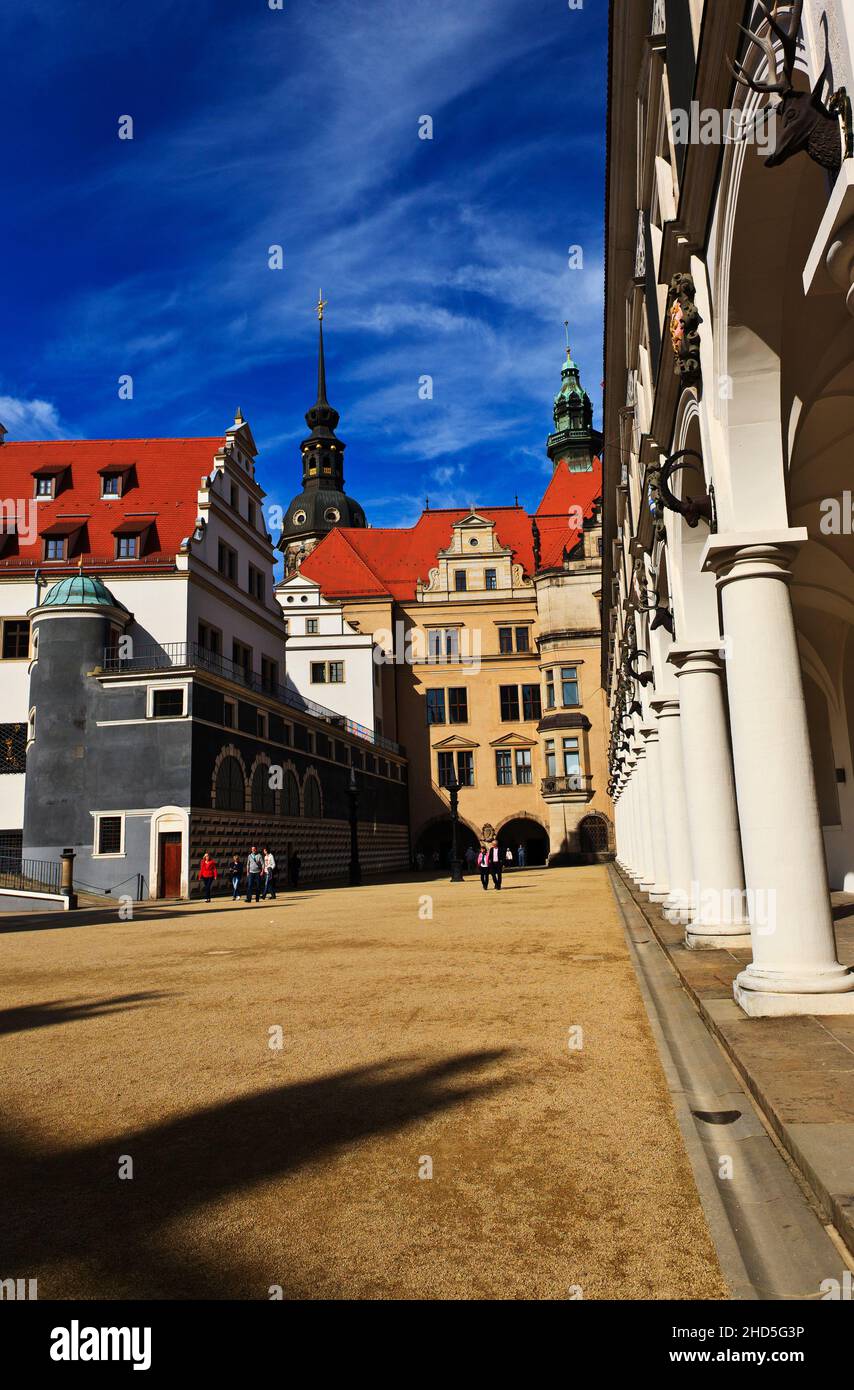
<point>12,801</point>
<point>355,697</point>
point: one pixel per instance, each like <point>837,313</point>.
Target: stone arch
<point>290,800</point>
<point>312,795</point>
<point>263,798</point>
<point>229,780</point>
<point>595,834</point>
<point>693,592</point>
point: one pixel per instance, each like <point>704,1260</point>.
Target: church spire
<point>322,419</point>
<point>574,438</point>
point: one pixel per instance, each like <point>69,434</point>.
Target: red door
<point>170,865</point>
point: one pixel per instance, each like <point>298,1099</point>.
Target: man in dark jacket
<point>254,870</point>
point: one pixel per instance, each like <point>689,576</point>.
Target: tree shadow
<point>25,1017</point>
<point>71,1205</point>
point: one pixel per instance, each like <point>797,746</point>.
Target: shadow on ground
<point>71,1206</point>
<point>25,1017</point>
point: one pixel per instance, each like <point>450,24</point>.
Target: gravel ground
<point>424,1026</point>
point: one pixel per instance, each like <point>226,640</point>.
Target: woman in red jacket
<point>207,874</point>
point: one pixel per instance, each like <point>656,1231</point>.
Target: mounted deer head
<point>803,120</point>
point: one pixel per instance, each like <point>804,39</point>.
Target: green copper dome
<point>80,591</point>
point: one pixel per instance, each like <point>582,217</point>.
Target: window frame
<point>21,622</point>
<point>458,698</point>
<point>508,700</point>
<point>97,852</point>
<point>159,688</point>
<point>504,763</point>
<point>435,691</point>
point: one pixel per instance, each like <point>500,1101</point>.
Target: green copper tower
<point>574,437</point>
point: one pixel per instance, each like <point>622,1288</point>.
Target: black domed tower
<point>323,504</point>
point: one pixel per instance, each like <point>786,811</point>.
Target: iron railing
<point>572,782</point>
<point>174,656</point>
<point>29,875</point>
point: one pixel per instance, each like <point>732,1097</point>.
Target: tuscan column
<point>795,969</point>
<point>661,886</point>
<point>717,882</point>
<point>631,841</point>
<point>646,882</point>
<point>675,810</point>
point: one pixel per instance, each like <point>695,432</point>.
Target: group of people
<point>490,860</point>
<point>259,870</point>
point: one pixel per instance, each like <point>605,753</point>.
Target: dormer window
<point>127,547</point>
<point>111,485</point>
<point>116,479</point>
<point>132,537</point>
<point>64,537</point>
<point>55,547</point>
<point>44,486</point>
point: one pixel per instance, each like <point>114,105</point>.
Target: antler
<point>789,41</point>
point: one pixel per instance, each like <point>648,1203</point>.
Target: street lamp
<point>453,789</point>
<point>355,866</point>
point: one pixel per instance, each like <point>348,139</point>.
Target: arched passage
<point>527,832</point>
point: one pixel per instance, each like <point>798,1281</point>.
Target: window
<point>327,672</point>
<point>54,548</point>
<point>241,656</point>
<point>290,795</point>
<point>523,639</point>
<point>464,768</point>
<point>311,794</point>
<point>490,579</point>
<point>256,583</point>
<point>229,713</point>
<point>443,643</point>
<point>435,706</point>
<point>460,581</point>
<point>229,788</point>
<point>571,760</point>
<point>16,639</point>
<point>505,639</point>
<point>44,487</point>
<point>524,773</point>
<point>336,672</point>
<point>509,698</point>
<point>261,723</point>
<point>458,705</point>
<point>167,704</point>
<point>210,638</point>
<point>318,673</point>
<point>127,547</point>
<point>503,767</point>
<point>111,485</point>
<point>550,758</point>
<point>569,685</point>
<point>235,497</point>
<point>311,626</point>
<point>263,796</point>
<point>531,702</point>
<point>109,834</point>
<point>227,561</point>
<point>269,673</point>
<point>550,689</point>
<point>251,514</point>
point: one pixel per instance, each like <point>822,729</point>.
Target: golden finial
<point>566,336</point>
<point>80,564</point>
<point>321,304</point>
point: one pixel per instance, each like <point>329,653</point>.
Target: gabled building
<point>489,620</point>
<point>146,715</point>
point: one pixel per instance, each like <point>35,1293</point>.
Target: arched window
<point>311,794</point>
<point>230,789</point>
<point>290,795</point>
<point>263,796</point>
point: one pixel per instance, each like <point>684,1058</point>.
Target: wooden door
<point>170,865</point>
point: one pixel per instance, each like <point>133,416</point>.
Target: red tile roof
<point>388,561</point>
<point>166,479</point>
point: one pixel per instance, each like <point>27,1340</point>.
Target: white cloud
<point>34,419</point>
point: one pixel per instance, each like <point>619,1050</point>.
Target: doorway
<point>169,865</point>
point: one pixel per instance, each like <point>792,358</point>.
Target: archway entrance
<point>434,842</point>
<point>530,835</point>
<point>593,836</point>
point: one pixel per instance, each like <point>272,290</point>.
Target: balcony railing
<point>572,782</point>
<point>29,875</point>
<point>175,656</point>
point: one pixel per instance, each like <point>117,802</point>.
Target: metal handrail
<point>29,875</point>
<point>171,656</point>
<point>569,782</point>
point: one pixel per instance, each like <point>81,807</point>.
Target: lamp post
<point>453,789</point>
<point>355,867</point>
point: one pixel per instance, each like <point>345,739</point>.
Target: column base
<point>760,1004</point>
<point>703,937</point>
<point>659,895</point>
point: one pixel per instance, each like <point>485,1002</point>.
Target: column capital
<point>667,707</point>
<point>753,554</point>
<point>649,735</point>
<point>705,657</point>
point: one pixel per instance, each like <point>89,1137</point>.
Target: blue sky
<point>299,127</point>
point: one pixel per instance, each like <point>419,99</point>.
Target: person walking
<point>207,874</point>
<point>470,858</point>
<point>520,856</point>
<point>254,870</point>
<point>489,863</point>
<point>235,873</point>
<point>269,873</point>
<point>294,866</point>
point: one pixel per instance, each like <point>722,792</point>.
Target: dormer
<point>116,480</point>
<point>50,480</point>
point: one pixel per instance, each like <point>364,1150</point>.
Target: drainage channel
<point>770,1241</point>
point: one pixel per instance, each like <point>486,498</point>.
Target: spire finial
<point>566,335</point>
<point>321,305</point>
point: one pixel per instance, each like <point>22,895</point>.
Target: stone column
<point>795,969</point>
<point>646,882</point>
<point>661,887</point>
<point>675,810</point>
<point>717,875</point>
